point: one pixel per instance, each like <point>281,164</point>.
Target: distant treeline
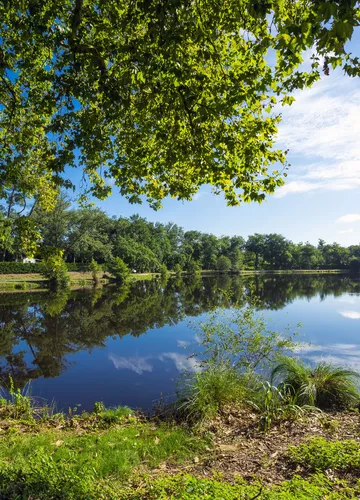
<point>87,234</point>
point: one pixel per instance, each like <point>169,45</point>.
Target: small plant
<point>203,394</point>
<point>324,386</point>
<point>119,270</point>
<point>320,454</point>
<point>275,405</point>
<point>99,407</point>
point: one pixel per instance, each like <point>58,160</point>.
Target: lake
<point>126,346</point>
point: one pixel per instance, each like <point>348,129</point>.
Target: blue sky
<point>321,196</point>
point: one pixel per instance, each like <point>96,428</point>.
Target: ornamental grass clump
<point>202,395</point>
<point>324,386</point>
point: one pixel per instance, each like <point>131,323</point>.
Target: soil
<point>243,450</point>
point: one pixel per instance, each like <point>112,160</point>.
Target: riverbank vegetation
<point>144,246</point>
<point>250,420</point>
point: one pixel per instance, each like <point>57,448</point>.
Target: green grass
<point>205,393</point>
<point>324,386</point>
<point>74,463</point>
<point>190,488</point>
<point>320,454</point>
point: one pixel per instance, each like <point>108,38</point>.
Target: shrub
<point>319,454</point>
<point>54,269</point>
<point>324,386</point>
<point>26,268</point>
<point>19,268</point>
<point>203,394</point>
<point>241,339</point>
<point>119,270</point>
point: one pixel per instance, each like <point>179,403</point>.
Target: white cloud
<point>336,354</point>
<point>323,126</point>
<point>142,364</point>
<point>346,231</point>
<point>182,361</point>
<point>136,364</point>
<point>350,314</point>
<point>349,218</point>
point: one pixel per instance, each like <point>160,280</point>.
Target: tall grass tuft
<point>324,386</point>
<point>204,394</point>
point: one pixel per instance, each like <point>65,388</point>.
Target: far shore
<point>78,280</point>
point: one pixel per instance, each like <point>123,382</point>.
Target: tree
<point>223,264</point>
<point>256,245</point>
<point>193,267</point>
<point>95,269</point>
<point>54,268</point>
<point>160,97</point>
<point>119,270</point>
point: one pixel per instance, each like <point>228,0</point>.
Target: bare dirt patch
<point>241,449</point>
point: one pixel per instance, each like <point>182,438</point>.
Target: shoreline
<point>78,280</point>
<point>117,454</point>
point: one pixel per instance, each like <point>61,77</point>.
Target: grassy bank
<point>115,454</point>
<point>32,281</point>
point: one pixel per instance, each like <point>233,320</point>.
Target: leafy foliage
<point>324,386</point>
<point>160,99</point>
<point>320,454</point>
<point>240,340</point>
<point>275,404</point>
<point>187,487</point>
<point>54,268</point>
<point>223,264</point>
<point>119,270</point>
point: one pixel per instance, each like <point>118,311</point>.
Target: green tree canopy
<point>162,97</point>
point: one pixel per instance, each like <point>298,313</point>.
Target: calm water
<point>127,346</point>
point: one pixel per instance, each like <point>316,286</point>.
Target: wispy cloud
<point>136,364</point>
<point>336,354</point>
<point>322,127</point>
<point>346,231</point>
<point>349,218</point>
<point>142,364</point>
<point>182,361</point>
<point>350,314</point>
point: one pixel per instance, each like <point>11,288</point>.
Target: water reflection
<point>44,335</point>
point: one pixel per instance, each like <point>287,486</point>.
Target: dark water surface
<point>126,346</point>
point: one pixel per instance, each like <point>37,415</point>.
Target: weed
<point>276,404</point>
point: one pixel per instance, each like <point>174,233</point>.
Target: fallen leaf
<point>157,440</point>
<point>59,442</point>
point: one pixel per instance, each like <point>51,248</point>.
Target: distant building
<point>30,261</point>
